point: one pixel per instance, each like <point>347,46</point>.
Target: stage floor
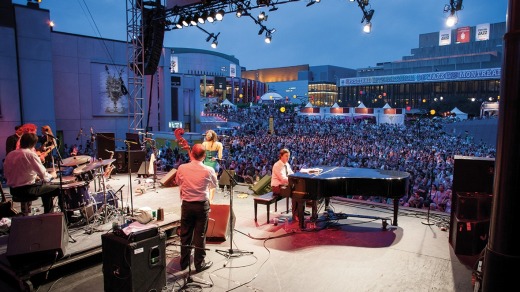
<point>343,253</point>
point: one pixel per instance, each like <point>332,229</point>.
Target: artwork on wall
<point>109,92</point>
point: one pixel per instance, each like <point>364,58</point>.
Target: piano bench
<point>267,199</point>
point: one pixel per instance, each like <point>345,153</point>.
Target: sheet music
<point>311,170</point>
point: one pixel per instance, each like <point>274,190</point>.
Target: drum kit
<point>75,188</point>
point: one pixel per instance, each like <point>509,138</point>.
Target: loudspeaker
<point>35,240</point>
<point>473,174</point>
<point>169,179</point>
<point>153,28</point>
<point>469,237</point>
<point>262,186</point>
<point>134,138</point>
<point>146,169</point>
<point>218,223</point>
<point>473,206</point>
<point>121,162</point>
<point>227,178</point>
<point>134,266</point>
<point>105,141</point>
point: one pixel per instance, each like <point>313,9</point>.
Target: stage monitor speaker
<point>469,237</point>
<point>169,179</point>
<point>134,266</point>
<point>146,169</point>
<point>218,223</point>
<point>227,178</point>
<point>35,240</point>
<point>105,142</point>
<point>262,186</point>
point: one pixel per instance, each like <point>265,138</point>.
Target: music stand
<point>230,252</point>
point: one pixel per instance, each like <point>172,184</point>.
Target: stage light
<point>185,22</point>
<point>452,20</point>
<point>268,37</point>
<point>193,21</point>
<point>220,15</point>
<point>214,44</point>
<point>211,16</point>
<point>262,16</point>
<point>367,28</point>
<point>239,12</point>
<point>202,17</point>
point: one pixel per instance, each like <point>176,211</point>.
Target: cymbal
<point>106,162</point>
<point>76,160</point>
<point>91,166</point>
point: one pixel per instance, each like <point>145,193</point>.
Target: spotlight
<point>452,19</point>
<point>214,44</point>
<point>367,28</point>
<point>268,37</point>
<point>240,11</point>
<point>193,20</point>
<point>202,17</point>
<point>179,23</point>
<point>185,22</point>
<point>262,16</point>
<point>220,15</point>
<point>211,16</point>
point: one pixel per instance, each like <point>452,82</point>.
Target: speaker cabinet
<point>134,266</point>
<point>473,206</point>
<point>218,223</point>
<point>169,179</point>
<point>137,157</point>
<point>35,240</point>
<point>472,188</point>
<point>469,237</point>
<point>105,142</point>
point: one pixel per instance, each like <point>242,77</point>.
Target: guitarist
<point>47,144</point>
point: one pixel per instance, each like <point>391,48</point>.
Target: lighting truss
<point>196,13</point>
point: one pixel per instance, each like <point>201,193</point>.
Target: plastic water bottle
<point>225,190</point>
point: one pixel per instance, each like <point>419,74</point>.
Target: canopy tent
<point>308,104</point>
<point>387,106</point>
<point>335,105</point>
<point>459,114</point>
<point>361,105</point>
<point>271,96</point>
<point>226,102</point>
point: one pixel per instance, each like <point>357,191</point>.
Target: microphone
<point>80,133</point>
<point>141,133</point>
<point>112,152</point>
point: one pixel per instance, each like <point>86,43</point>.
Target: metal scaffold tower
<point>136,63</point>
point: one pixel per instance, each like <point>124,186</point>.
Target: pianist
<point>280,176</point>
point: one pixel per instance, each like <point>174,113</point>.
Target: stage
<point>342,252</point>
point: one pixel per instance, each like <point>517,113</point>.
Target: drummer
<point>25,173</point>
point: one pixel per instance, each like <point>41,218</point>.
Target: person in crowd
<point>214,150</point>
<point>27,128</point>
<point>195,180</point>
<point>280,178</point>
<point>26,175</point>
<point>416,201</point>
<point>10,142</point>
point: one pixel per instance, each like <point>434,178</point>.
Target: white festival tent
<point>459,114</point>
<point>271,96</point>
<point>226,102</point>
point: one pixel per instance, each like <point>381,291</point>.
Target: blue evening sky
<point>326,33</point>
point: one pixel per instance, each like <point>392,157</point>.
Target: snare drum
<point>75,195</point>
<point>64,180</point>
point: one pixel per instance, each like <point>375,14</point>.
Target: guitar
<point>43,154</point>
<point>181,141</point>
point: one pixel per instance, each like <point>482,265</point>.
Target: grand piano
<point>326,181</point>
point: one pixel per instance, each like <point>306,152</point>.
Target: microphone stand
<point>60,198</point>
<point>427,222</point>
<point>130,176</point>
<point>189,282</point>
<point>231,252</point>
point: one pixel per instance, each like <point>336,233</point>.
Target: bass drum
<point>98,199</point>
<point>75,195</point>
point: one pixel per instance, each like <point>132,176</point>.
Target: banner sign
<point>482,32</point>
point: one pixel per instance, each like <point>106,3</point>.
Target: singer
<point>214,150</point>
<point>46,145</point>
